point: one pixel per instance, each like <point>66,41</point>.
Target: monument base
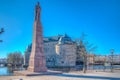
<point>41,69</point>
<point>29,73</point>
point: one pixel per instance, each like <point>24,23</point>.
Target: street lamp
<point>112,54</point>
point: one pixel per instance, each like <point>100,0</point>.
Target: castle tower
<point>37,61</point>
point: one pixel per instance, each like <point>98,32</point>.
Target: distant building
<point>116,58</point>
<point>107,58</point>
<point>100,59</point>
<point>59,51</point>
<point>3,60</point>
<point>90,58</point>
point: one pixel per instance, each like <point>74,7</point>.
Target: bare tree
<point>15,58</point>
<point>83,49</point>
<point>1,31</point>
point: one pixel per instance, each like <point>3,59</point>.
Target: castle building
<point>66,52</point>
<point>59,51</point>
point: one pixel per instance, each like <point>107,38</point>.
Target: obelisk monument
<point>37,61</point>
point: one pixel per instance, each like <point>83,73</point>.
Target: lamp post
<point>112,54</point>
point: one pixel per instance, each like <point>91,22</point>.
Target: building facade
<point>107,58</point>
<point>3,60</point>
<point>90,58</point>
<point>60,51</point>
<point>66,52</point>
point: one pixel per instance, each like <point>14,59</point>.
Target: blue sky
<point>99,19</point>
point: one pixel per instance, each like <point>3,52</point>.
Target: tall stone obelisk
<point>37,61</point>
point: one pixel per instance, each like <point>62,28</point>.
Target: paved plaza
<point>77,75</point>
